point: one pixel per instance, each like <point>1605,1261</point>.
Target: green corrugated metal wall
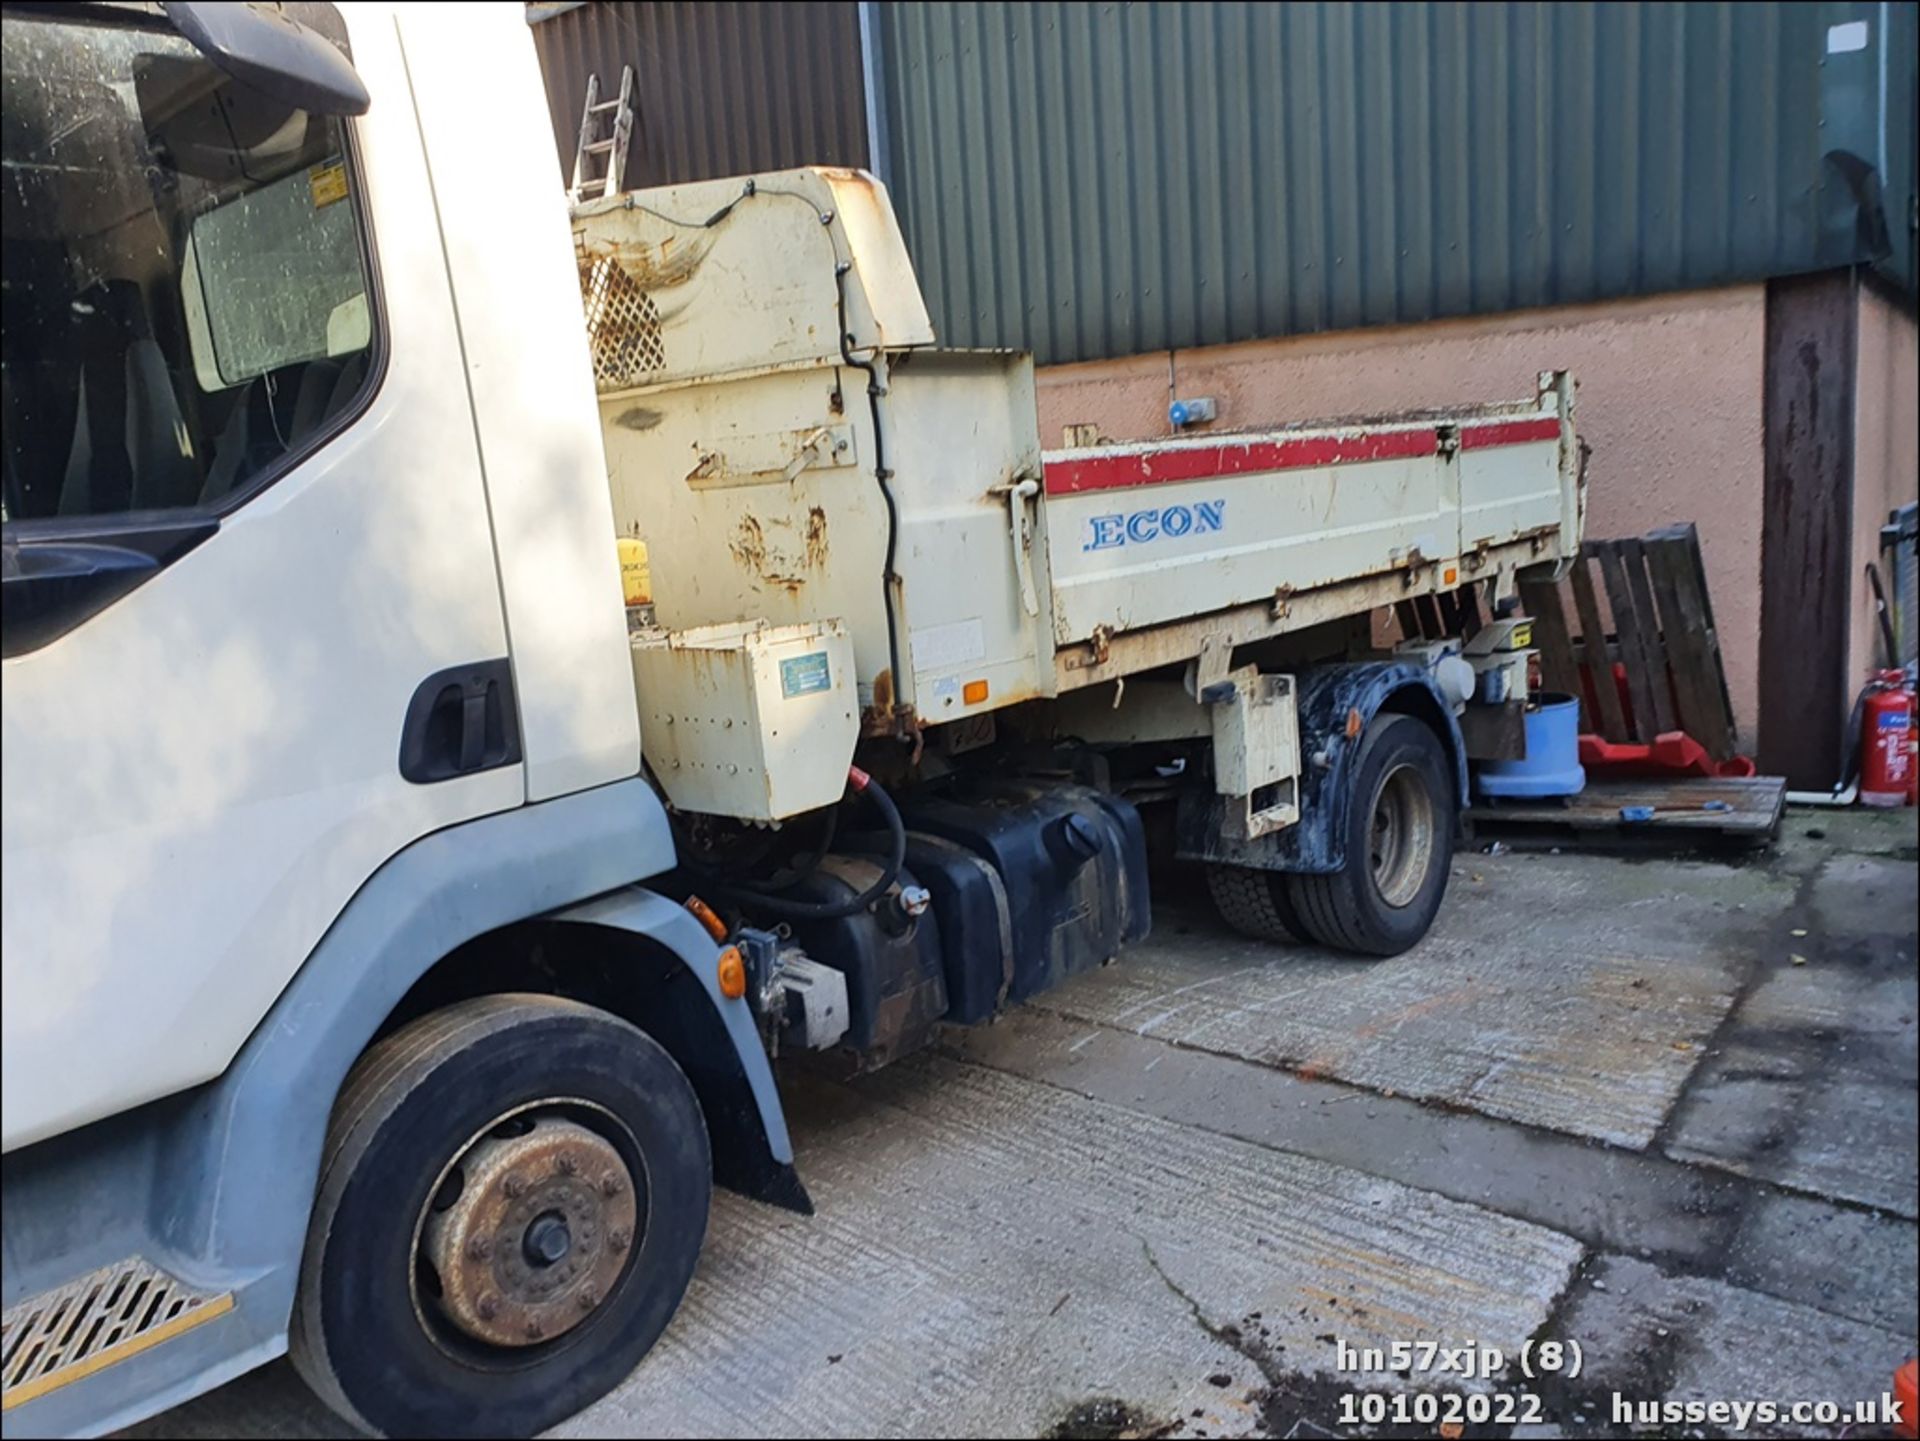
<point>1093,180</point>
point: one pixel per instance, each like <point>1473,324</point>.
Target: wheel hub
<point>1401,840</point>
<point>535,1237</point>
<point>547,1240</point>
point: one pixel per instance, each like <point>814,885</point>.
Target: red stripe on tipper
<point>1508,432</point>
<point>1148,466</point>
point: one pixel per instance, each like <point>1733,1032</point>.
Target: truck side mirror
<point>275,54</point>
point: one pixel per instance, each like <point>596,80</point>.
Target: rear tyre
<point>1255,903</point>
<point>512,1201</point>
<point>1400,832</point>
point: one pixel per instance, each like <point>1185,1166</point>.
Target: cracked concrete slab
<point>1814,1082</point>
<point>1582,1009</point>
<point>986,1253</point>
<point>1651,1336</point>
<point>1639,1203</point>
<point>1608,1197</point>
<point>1852,1263</point>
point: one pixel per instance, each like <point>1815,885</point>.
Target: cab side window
<point>187,300</point>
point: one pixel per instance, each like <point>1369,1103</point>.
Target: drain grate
<point>49,1340</point>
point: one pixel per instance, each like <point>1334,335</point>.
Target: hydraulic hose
<point>789,909</point>
<point>787,881</point>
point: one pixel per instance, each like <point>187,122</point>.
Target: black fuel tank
<point>1073,862</point>
<point>896,987</point>
<point>975,921</point>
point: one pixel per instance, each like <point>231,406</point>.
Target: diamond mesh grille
<point>623,326</point>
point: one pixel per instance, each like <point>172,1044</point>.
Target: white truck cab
<point>403,914</point>
<point>308,573</point>
<point>269,404</point>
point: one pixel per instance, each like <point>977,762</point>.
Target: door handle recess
<point>460,721</point>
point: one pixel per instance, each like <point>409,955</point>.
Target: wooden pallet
<point>1755,804</point>
<point>1649,613</point>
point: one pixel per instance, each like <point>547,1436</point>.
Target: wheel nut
<point>620,1238</point>
<point>589,1298</point>
<point>515,1185</point>
<point>611,1185</point>
<point>567,1163</point>
<point>479,1248</point>
<point>488,1307</point>
<point>535,1330</point>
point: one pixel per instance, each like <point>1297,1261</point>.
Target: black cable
<point>831,910</point>
<point>748,190</point>
<point>1886,617</point>
<point>1850,742</point>
<point>888,576</point>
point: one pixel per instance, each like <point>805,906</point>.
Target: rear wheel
<point>1255,903</point>
<point>1400,831</point>
<point>512,1202</point>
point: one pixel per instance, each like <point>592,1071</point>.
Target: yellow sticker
<point>636,576</point>
<point>328,183</point>
<point>1522,636</point>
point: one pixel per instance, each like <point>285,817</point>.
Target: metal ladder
<point>613,146</point>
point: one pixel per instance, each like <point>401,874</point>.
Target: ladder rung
<point>603,105</point>
<point>599,147</point>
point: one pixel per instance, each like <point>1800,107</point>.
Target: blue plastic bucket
<point>1552,766</point>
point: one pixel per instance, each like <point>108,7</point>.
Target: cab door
<point>253,630</point>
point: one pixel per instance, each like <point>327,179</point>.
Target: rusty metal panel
<point>1092,180</point>
<point>729,89</point>
<point>739,451</point>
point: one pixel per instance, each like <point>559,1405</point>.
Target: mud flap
<point>1336,703</point>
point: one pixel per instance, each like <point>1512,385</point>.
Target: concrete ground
<point>1663,1110</point>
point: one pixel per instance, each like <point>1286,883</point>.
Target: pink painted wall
<point>1669,398</point>
<point>1886,454</point>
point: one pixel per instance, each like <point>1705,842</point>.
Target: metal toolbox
<point>747,719</point>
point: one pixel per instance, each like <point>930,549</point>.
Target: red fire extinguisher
<point>1887,742</point>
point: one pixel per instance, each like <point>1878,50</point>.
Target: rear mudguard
<point>1337,702</point>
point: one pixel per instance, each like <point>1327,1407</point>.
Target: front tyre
<point>512,1201</point>
<point>1400,832</point>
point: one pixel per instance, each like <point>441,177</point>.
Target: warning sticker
<point>804,674</point>
<point>328,183</point>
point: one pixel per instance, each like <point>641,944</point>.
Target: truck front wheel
<point>1400,828</point>
<point>513,1197</point>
